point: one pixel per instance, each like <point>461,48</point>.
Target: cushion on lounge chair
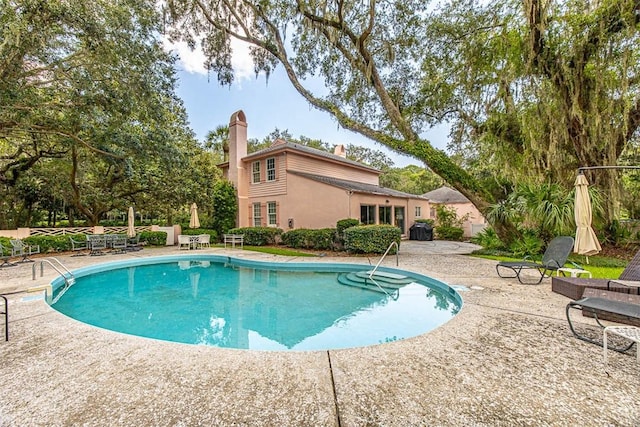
<point>554,258</point>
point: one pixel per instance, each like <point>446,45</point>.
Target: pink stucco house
<point>473,219</point>
<point>289,186</point>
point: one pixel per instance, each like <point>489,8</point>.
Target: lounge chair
<point>133,243</point>
<point>78,247</point>
<point>5,256</point>
<point>118,243</point>
<point>630,276</point>
<point>554,257</point>
<point>628,311</point>
<point>97,244</point>
<point>19,248</point>
<point>574,287</point>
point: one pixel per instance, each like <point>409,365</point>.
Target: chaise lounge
<point>617,309</point>
<point>574,287</point>
<point>554,257</point>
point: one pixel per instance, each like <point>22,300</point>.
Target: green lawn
<point>275,251</point>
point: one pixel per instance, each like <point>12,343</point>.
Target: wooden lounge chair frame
<point>554,257</point>
<point>596,304</point>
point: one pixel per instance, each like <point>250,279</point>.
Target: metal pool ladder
<point>378,265</point>
<point>69,280</point>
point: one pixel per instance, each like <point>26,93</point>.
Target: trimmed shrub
<point>449,233</point>
<point>49,243</point>
<point>258,236</point>
<point>343,224</point>
<point>154,238</point>
<point>371,238</point>
<point>303,238</point>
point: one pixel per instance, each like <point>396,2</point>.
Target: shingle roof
<point>357,187</point>
<point>445,195</point>
<point>308,150</point>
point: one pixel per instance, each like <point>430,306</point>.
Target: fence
<point>21,233</point>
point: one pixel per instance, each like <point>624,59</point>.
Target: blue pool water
<point>225,302</point>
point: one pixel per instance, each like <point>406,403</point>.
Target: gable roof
<point>282,145</point>
<point>446,194</point>
<point>357,187</point>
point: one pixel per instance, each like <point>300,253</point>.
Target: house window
<point>272,217</point>
<point>418,211</point>
<point>384,214</point>
<point>271,169</point>
<point>367,214</point>
<point>255,169</point>
<point>257,219</point>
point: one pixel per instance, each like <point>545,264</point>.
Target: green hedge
<point>449,233</point>
<point>303,238</point>
<point>198,231</point>
<point>154,238</point>
<point>258,236</point>
<point>371,238</point>
<point>343,224</point>
<point>426,221</point>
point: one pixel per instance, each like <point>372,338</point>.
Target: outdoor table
<point>574,272</point>
<point>193,242</point>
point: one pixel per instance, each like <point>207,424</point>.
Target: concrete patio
<point>507,359</point>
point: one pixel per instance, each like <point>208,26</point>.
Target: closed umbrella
<point>586,241</point>
<point>194,222</point>
<point>131,229</point>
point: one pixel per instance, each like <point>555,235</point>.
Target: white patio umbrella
<point>131,229</point>
<point>586,241</point>
<point>194,222</point>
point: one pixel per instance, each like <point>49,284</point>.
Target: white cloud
<point>241,60</point>
<point>193,60</point>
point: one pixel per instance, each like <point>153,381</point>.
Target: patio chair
<point>78,247</point>
<point>133,243</point>
<point>184,241</point>
<point>554,257</point>
<point>97,244</point>
<point>204,241</point>
<point>119,243</point>
<point>19,248</point>
<point>630,276</point>
<point>625,311</point>
<point>5,255</point>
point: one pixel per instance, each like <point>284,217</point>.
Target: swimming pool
<point>235,303</point>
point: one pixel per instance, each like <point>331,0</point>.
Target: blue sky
<point>267,105</point>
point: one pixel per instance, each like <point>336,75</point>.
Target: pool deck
<point>507,359</point>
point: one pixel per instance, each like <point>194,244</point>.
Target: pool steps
<point>383,280</point>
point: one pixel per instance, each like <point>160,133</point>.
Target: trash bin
<point>421,231</point>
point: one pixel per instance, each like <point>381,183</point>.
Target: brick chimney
<point>340,151</point>
<point>237,173</point>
